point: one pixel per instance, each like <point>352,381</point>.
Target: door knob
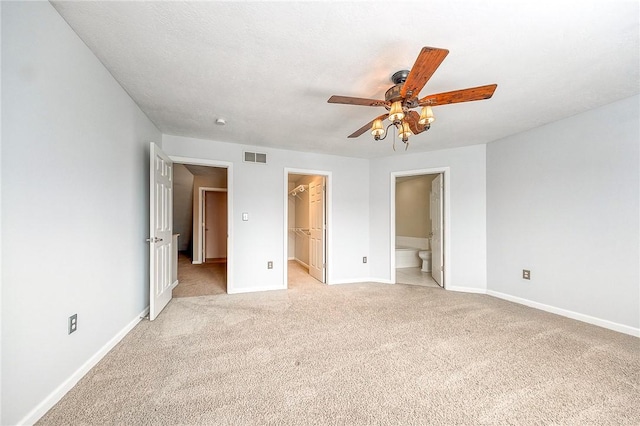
<point>154,240</point>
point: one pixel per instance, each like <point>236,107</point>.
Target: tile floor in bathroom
<point>415,276</point>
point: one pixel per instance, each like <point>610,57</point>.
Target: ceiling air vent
<point>255,157</point>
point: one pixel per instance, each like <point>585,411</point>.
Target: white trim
<point>328,181</point>
<point>446,174</point>
<point>52,399</point>
<point>621,328</point>
<point>474,290</point>
<point>229,166</point>
<point>362,281</point>
<point>254,289</point>
<point>300,262</point>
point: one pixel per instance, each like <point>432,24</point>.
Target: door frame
<point>446,217</point>
<point>201,208</point>
<point>223,165</point>
<point>328,231</point>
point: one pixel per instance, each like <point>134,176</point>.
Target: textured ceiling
<point>217,172</point>
<point>268,68</point>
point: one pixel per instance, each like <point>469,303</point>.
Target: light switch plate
<point>526,274</point>
<point>245,216</point>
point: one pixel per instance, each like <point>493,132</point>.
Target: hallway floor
<point>200,280</point>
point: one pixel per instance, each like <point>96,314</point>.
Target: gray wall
<point>466,245</point>
<point>75,200</point>
<point>562,201</point>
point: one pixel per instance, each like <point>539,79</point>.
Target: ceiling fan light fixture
<point>377,130</point>
<point>405,131</point>
<point>396,113</point>
<point>426,116</point>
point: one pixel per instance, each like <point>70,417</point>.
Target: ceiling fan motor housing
<point>394,93</point>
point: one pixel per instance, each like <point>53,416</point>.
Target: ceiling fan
<point>401,98</point>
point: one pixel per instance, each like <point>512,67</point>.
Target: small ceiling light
<point>221,121</point>
<point>396,114</point>
<point>377,130</point>
<point>405,131</point>
<point>426,116</point>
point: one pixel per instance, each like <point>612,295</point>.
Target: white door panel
<point>317,229</point>
<point>437,246</point>
<point>161,224</point>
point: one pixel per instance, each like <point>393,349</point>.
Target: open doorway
<point>418,251</point>
<point>306,243</point>
<point>200,219</point>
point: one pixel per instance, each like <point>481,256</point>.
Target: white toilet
<point>425,255</point>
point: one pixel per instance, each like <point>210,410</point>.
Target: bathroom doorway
<point>307,230</point>
<point>418,237</point>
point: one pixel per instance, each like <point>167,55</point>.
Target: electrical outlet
<point>364,259</point>
<point>73,323</point>
<point>270,265</point>
<point>526,274</point>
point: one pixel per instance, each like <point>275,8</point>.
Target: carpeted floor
<point>200,280</point>
<point>359,354</point>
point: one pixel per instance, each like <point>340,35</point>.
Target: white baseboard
<point>466,289</point>
<point>360,280</point>
<point>291,258</point>
<point>196,262</point>
<point>301,262</point>
<point>621,328</point>
<point>254,289</point>
<point>175,284</point>
<point>55,396</point>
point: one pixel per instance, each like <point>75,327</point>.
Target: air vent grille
<point>255,157</point>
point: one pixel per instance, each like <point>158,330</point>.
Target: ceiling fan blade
<point>412,118</point>
<point>348,100</point>
<point>366,127</point>
<point>464,95</point>
<point>427,63</point>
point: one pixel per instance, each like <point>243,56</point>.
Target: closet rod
<point>299,188</point>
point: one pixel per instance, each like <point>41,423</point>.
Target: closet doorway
<point>306,224</point>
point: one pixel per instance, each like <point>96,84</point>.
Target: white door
<point>437,258</point>
<point>215,234</point>
<point>161,224</point>
<point>317,229</point>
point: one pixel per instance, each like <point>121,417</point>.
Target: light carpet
<point>359,354</point>
<point>200,280</point>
